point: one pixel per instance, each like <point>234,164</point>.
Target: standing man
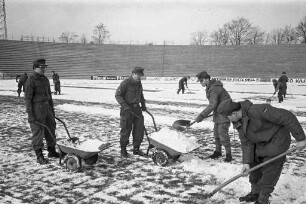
<point>21,83</point>
<point>57,83</point>
<point>264,132</point>
<point>283,79</point>
<point>129,95</point>
<point>215,94</point>
<point>279,87</point>
<point>182,84</point>
<point>39,106</point>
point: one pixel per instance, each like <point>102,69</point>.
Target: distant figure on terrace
<point>129,95</point>
<point>278,87</point>
<point>21,83</point>
<point>57,83</point>
<point>182,84</point>
<point>283,79</point>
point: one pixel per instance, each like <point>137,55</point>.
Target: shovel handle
<point>250,170</point>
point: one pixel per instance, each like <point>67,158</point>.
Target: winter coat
<point>283,79</point>
<point>215,94</point>
<point>55,78</point>
<point>130,92</point>
<point>22,79</point>
<point>37,90</point>
<point>183,81</point>
<point>264,131</point>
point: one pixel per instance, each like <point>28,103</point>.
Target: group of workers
<point>264,130</point>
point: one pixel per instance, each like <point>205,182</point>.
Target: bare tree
<point>256,36</point>
<point>83,39</point>
<point>199,37</point>
<point>67,37</point>
<point>275,37</point>
<point>290,36</point>
<point>301,30</point>
<point>101,34</point>
<point>239,30</point>
<point>221,36</point>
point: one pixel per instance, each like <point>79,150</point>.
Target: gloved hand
<point>143,107</point>
<point>245,168</point>
<point>301,144</point>
<point>126,109</point>
<point>199,118</point>
<point>31,119</point>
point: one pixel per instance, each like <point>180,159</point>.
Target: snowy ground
<point>90,111</point>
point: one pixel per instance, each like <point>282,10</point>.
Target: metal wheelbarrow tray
<point>163,153</point>
<point>71,154</point>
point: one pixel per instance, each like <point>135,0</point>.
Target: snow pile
<point>175,140</point>
<point>87,146</point>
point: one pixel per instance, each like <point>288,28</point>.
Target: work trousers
<point>222,137</point>
<point>264,179</point>
<point>43,114</point>
<point>131,120</point>
<point>20,86</point>
<point>181,87</point>
<point>57,87</point>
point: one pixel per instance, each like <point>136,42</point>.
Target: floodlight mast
<point>3,27</point>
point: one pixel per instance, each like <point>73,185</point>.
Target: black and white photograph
<point>152,101</point>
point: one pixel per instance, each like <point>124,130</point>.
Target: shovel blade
<point>181,124</point>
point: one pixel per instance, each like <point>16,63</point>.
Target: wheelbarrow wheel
<point>160,157</point>
<point>91,160</point>
<point>73,162</point>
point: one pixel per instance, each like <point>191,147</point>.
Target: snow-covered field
<point>91,112</point>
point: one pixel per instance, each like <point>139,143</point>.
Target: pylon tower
<point>3,28</point>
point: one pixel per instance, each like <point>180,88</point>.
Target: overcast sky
<point>145,21</point>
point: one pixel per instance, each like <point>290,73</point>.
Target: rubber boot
<point>52,152</point>
<point>251,197</point>
<point>228,157</point>
<point>40,157</point>
<point>215,155</point>
<point>137,151</point>
<point>124,152</point>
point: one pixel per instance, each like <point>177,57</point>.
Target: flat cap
<point>202,75</point>
<point>138,70</point>
<point>227,107</point>
<point>39,62</point>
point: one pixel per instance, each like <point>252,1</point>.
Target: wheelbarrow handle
<point>152,120</point>
<point>250,170</point>
<point>64,126</point>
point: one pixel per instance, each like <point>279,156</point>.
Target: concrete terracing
<point>85,60</point>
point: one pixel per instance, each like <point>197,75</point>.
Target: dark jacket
<point>264,130</point>
<point>55,78</point>
<point>129,92</point>
<point>283,79</point>
<point>215,93</point>
<point>23,79</point>
<point>37,90</point>
<point>183,81</point>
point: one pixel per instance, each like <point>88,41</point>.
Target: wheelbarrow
<point>71,152</point>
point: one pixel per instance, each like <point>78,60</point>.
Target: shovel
<point>181,125</point>
<point>247,172</point>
